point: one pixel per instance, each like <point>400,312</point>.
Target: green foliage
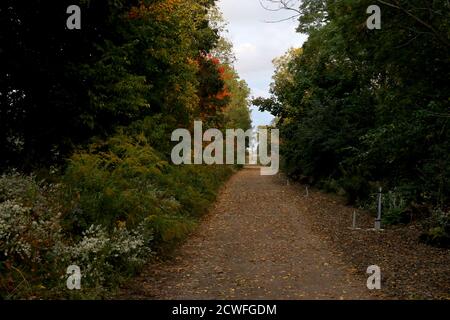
<point>45,84</point>
<point>438,229</point>
<point>362,107</point>
<point>125,180</point>
<point>237,115</point>
<point>171,228</point>
<point>356,188</point>
<point>35,251</point>
<point>394,206</point>
<point>131,59</point>
<point>117,203</point>
<point>113,183</point>
<point>92,111</point>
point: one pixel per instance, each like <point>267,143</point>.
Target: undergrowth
<point>118,204</point>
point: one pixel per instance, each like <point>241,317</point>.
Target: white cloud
<point>245,48</point>
<point>257,43</point>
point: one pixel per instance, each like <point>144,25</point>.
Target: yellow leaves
<point>162,11</point>
<point>193,62</point>
<point>166,11</point>
<point>121,225</point>
<point>109,192</point>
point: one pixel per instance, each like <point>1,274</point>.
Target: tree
<point>360,107</point>
<point>45,98</point>
<point>60,87</point>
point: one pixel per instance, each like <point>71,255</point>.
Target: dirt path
<point>257,243</point>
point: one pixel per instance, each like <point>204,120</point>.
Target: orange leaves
<point>223,95</point>
<point>221,70</point>
<point>140,11</point>
<point>224,73</point>
<point>219,100</point>
<point>215,61</point>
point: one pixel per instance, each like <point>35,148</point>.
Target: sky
<point>256,43</point>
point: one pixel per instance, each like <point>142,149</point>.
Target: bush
<point>106,257</point>
<point>126,180</point>
<point>115,181</point>
<point>356,188</point>
<point>438,229</point>
<point>118,202</point>
<point>394,208</point>
<point>35,251</point>
<point>29,231</point>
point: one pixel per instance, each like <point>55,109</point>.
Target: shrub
<point>394,206</point>
<point>437,229</point>
<point>29,230</point>
<point>125,179</point>
<point>115,181</point>
<point>117,203</point>
<point>35,251</point>
<point>106,257</point>
<point>356,188</point>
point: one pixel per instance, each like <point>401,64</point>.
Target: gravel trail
<point>258,242</point>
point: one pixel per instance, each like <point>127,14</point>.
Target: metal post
<point>354,219</point>
<point>307,191</point>
<point>378,220</point>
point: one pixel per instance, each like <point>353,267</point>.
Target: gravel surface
<point>410,269</point>
<point>265,239</point>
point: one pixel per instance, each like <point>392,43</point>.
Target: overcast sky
<point>257,43</point>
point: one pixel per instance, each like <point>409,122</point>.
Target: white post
<point>378,220</point>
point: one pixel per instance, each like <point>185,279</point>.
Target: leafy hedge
<point>358,109</point>
<point>117,204</point>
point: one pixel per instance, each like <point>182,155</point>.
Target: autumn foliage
<point>86,119</point>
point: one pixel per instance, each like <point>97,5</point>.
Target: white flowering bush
<point>113,204</point>
<point>132,246</point>
<point>14,222</point>
<point>16,186</point>
<point>35,251</point>
<point>29,230</point>
<point>104,255</point>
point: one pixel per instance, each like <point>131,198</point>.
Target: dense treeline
<point>131,59</point>
<point>359,108</point>
<point>86,118</point>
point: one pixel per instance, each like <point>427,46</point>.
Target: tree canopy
<point>361,108</point>
<point>131,59</point>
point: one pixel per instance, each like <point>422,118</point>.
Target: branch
<point>438,115</point>
<point>282,5</point>
<point>267,8</point>
<point>430,27</point>
<point>282,20</point>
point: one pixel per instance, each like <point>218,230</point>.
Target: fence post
<point>378,220</point>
